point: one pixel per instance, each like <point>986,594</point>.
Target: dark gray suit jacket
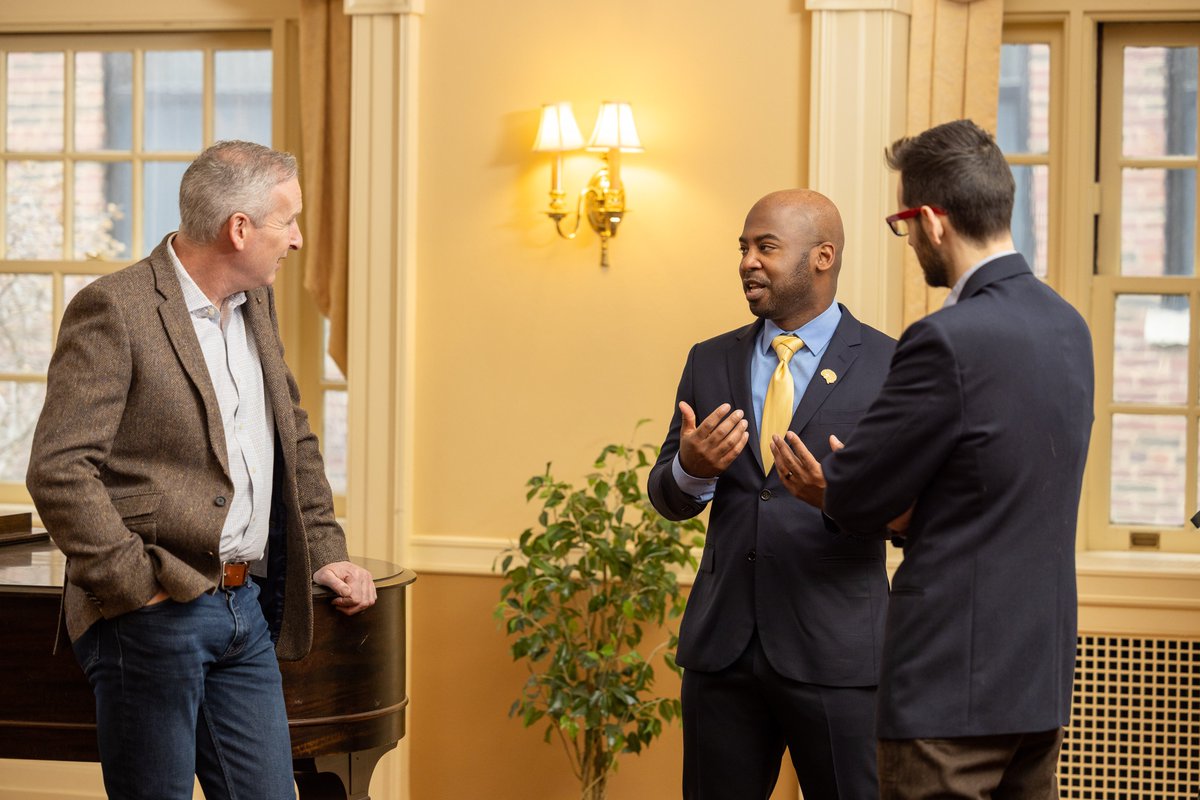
<point>818,601</point>
<point>983,422</point>
<point>128,468</point>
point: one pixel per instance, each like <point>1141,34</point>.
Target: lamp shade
<point>614,128</point>
<point>558,131</point>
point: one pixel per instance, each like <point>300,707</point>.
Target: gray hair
<point>227,178</point>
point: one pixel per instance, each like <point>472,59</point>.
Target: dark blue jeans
<point>190,689</point>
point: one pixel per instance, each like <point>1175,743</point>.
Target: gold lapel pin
<point>829,375</point>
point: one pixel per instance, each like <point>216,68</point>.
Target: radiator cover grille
<point>1135,721</point>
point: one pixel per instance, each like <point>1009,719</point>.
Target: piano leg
<point>340,776</point>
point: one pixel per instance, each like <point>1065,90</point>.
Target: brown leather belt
<point>234,574</point>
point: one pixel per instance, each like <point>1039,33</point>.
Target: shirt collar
<point>197,301</point>
<point>816,333</point>
<point>952,298</point>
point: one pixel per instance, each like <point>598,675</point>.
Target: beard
<point>784,297</point>
<point>933,264</point>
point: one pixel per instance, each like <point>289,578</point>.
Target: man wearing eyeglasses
<point>781,638</point>
<point>976,445</point>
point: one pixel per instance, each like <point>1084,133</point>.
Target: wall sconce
<point>603,199</point>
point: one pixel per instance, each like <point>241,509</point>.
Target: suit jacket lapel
<point>839,355</point>
<point>178,324</point>
<point>738,365</point>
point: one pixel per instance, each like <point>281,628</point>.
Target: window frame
<point>1051,34</point>
<point>1108,284</point>
<point>298,315</point>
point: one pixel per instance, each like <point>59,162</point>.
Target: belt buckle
<point>233,574</point>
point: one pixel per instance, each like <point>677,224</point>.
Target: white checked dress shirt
<point>236,374</point>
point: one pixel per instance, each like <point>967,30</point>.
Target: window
<point>1110,222</point>
<point>1026,120</point>
<point>334,429</point>
<point>96,132</point>
<point>1146,291</point>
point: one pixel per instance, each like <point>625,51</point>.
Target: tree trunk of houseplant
<point>596,765</point>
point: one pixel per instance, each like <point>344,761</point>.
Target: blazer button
<point>751,556</point>
<point>219,502</point>
<point>765,494</point>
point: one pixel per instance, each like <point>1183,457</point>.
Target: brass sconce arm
<point>602,201</point>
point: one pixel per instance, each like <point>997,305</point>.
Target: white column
<point>859,87</point>
<point>382,301</point>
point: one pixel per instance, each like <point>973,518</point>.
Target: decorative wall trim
<point>899,6</point>
<point>859,67</point>
<point>397,7</point>
<point>1138,565</point>
<point>1120,594</point>
<point>455,555</point>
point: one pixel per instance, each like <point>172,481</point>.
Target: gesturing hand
<point>705,451</point>
<point>799,470</point>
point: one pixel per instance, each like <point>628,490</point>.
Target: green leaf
<point>579,589</point>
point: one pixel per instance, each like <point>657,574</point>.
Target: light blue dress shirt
<point>816,334</point>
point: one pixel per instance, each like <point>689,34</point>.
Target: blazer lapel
<point>839,355</point>
<point>178,324</point>
<point>738,365</point>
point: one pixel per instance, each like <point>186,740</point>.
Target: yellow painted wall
<point>528,352</point>
<point>463,744</point>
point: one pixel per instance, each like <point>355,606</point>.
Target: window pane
<point>160,215</point>
<point>1158,222</point>
<point>242,93</point>
<point>1023,122</point>
<point>333,440</point>
<point>20,404</point>
<point>34,210</point>
<point>35,102</point>
<point>1147,469</point>
<point>1160,101</point>
<point>103,101</point>
<point>103,200</point>
<point>25,331</point>
<point>174,100</point>
<point>330,371</point>
<point>1030,220</point>
<point>72,284</point>
<point>1150,351</point>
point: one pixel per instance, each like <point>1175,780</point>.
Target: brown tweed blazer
<point>129,470</point>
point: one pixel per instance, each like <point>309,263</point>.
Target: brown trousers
<point>1019,766</point>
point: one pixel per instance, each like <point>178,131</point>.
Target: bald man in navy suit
<point>781,638</point>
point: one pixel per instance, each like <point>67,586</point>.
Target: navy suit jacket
<point>818,601</point>
<point>984,422</point>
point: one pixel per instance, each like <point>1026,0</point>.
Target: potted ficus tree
<point>581,587</point>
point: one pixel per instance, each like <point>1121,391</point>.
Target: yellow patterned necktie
<point>777,408</point>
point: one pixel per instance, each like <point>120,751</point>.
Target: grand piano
<point>346,701</point>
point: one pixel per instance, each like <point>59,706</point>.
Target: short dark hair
<point>959,167</point>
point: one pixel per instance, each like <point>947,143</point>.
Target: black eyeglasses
<point>898,222</point>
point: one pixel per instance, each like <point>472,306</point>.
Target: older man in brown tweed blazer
<point>172,463</point>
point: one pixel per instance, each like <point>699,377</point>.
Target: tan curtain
<point>325,150</point>
<point>953,73</point>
